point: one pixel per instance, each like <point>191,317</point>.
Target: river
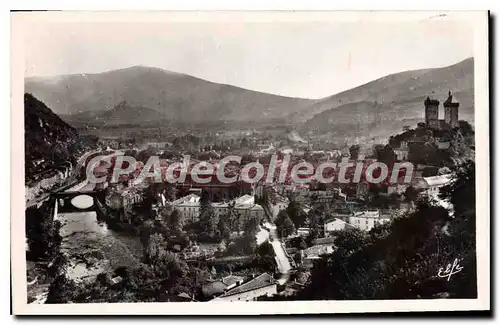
<point>91,246</point>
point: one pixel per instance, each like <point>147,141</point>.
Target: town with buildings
<point>247,242</point>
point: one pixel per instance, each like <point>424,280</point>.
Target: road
<point>284,265</point>
<point>72,179</point>
<point>280,255</point>
<point>83,159</point>
<point>282,260</point>
<point>69,181</point>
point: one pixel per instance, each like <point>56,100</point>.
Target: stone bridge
<point>79,201</point>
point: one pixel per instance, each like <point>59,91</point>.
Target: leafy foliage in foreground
<point>402,260</point>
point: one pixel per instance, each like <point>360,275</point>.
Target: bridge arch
<point>79,201</point>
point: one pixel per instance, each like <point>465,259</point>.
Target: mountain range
<point>385,105</point>
<point>140,94</point>
<point>175,96</point>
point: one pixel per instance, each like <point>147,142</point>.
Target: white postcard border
<point>477,19</point>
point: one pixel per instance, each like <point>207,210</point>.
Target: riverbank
<point>37,282</point>
<point>90,246</point>
<point>93,248</point>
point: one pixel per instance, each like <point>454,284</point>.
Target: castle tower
<point>431,113</point>
<point>451,111</point>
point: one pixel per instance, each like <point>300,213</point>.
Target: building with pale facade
<point>188,207</point>
<point>335,225</point>
<point>431,187</point>
<point>244,206</point>
<point>366,220</point>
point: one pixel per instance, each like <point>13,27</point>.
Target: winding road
<point>280,255</point>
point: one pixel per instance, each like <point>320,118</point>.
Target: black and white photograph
<point>230,162</point>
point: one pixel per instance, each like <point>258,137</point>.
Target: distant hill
<point>48,140</point>
<point>295,137</point>
<point>139,94</point>
<point>122,113</point>
<point>175,96</point>
<point>387,104</point>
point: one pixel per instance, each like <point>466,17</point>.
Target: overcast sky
<point>309,60</point>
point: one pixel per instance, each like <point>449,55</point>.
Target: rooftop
<point>245,199</point>
<point>367,214</point>
<point>318,250</point>
<point>324,241</point>
<point>219,286</point>
<point>339,222</point>
<point>449,102</point>
<point>439,180</point>
<point>187,200</point>
<point>232,279</point>
<point>261,281</point>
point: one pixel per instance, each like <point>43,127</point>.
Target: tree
<point>394,198</point>
<point>430,171</point>
<point>296,213</point>
<point>174,267</point>
<point>349,241</point>
<point>155,249</point>
<point>400,260</point>
<point>42,232</point>
<point>385,154</point>
<point>298,242</point>
<point>462,191</point>
<point>377,199</point>
<point>165,264</point>
<point>411,194</point>
<point>170,193</point>
<point>354,151</point>
<point>224,226</point>
<point>192,282</point>
<point>58,266</point>
<point>232,218</point>
<point>250,228</point>
<point>174,222</point>
<point>150,198</point>
<point>316,219</point>
<point>209,221</point>
<point>147,229</point>
<point>144,283</point>
<point>144,155</point>
<point>284,224</point>
<point>265,258</point>
<point>377,150</point>
<point>62,290</point>
<point>244,143</point>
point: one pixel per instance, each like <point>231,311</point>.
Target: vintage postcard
<point>195,163</point>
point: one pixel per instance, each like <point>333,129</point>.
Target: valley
<point>119,101</point>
